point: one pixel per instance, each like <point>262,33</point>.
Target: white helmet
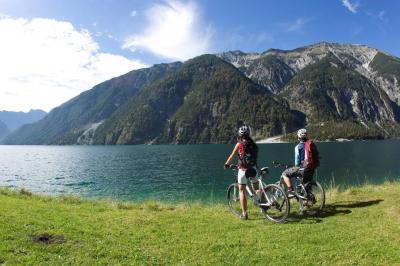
<point>302,133</point>
<point>244,130</point>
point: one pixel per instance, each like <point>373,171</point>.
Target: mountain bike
<point>271,198</point>
<point>310,195</point>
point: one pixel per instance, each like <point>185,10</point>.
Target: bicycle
<point>311,195</point>
<point>271,199</point>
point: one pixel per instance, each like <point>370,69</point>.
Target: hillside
<point>204,101</point>
<point>3,130</point>
<point>83,114</point>
<point>359,226</point>
<point>336,90</point>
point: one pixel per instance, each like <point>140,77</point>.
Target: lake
<point>178,172</point>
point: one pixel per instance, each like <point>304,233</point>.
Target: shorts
<point>295,171</point>
<point>242,179</point>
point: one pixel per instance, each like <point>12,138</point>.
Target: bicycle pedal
<point>291,196</point>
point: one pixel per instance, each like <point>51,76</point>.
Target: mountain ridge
<point>353,89</point>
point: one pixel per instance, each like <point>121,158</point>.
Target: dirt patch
<point>47,238</point>
<point>25,192</point>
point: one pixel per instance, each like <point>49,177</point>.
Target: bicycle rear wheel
<point>274,203</point>
<point>234,199</point>
<point>314,195</point>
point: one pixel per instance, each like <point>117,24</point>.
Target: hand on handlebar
<point>230,166</point>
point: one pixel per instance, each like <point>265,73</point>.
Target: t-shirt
<point>299,154</point>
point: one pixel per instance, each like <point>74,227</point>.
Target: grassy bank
<point>359,226</point>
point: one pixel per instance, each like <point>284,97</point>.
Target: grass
<point>360,226</point>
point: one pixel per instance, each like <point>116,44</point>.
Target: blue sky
<point>103,38</point>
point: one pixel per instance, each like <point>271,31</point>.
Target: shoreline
<point>4,190</point>
<point>274,139</point>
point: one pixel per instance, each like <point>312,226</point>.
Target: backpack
<point>250,152</point>
<point>311,155</point>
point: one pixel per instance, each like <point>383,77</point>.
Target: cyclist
<point>245,148</point>
<point>305,161</point>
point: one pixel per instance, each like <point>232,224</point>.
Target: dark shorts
<point>306,174</point>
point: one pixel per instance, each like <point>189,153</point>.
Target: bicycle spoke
<point>278,202</point>
<point>234,199</point>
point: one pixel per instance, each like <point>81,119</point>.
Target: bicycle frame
<point>253,193</point>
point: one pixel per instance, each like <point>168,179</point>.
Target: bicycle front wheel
<point>234,199</point>
<point>274,203</point>
<point>314,198</point>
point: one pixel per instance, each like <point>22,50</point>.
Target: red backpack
<point>312,156</point>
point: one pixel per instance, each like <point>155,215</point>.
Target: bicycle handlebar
<point>278,164</point>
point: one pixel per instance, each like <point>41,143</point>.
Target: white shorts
<point>242,180</point>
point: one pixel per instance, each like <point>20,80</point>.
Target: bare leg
<point>243,201</point>
<point>287,181</point>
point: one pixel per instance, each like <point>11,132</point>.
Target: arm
<point>296,156</point>
<point>233,154</point>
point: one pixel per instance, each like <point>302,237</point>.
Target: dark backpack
<point>250,152</point>
<point>311,155</point>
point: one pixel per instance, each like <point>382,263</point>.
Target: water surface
<point>178,172</point>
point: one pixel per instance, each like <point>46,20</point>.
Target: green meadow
<point>359,226</point>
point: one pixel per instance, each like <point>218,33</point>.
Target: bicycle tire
<point>234,199</point>
<point>280,208</point>
<point>315,195</point>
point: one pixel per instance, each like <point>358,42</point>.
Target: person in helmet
<point>246,166</point>
<point>302,165</point>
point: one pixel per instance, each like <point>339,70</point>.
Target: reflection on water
<point>177,172</point>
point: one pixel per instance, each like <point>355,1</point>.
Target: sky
<point>52,50</point>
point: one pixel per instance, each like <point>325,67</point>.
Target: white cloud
<point>297,25</point>
<point>174,30</point>
<point>3,16</point>
<point>134,13</point>
<point>45,62</point>
<point>352,7</point>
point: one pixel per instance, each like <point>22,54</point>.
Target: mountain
<point>349,90</point>
<point>330,90</point>
<point>3,130</point>
<point>386,74</point>
<point>204,101</point>
<point>335,90</point>
<point>382,69</point>
<point>75,120</point>
<point>14,120</point>
<point>269,71</point>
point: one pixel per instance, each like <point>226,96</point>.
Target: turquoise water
<point>178,172</point>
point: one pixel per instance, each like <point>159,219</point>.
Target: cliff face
<point>381,69</point>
